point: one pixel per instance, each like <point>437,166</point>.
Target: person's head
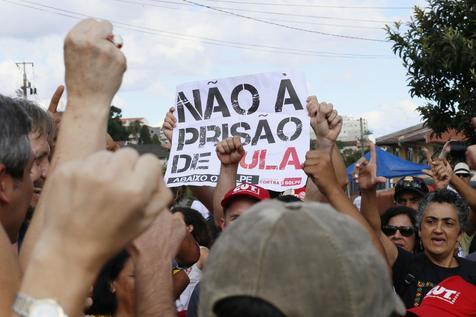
<point>239,199</point>
<point>471,156</point>
<point>462,170</point>
<point>114,284</point>
<point>441,216</point>
<point>16,160</point>
<point>196,225</point>
<point>409,191</point>
<point>41,135</point>
<point>296,259</point>
<point>399,224</point>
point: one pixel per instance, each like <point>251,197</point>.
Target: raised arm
<point>318,113</point>
<point>442,171</point>
<point>152,254</point>
<point>365,174</point>
<point>93,71</point>
<point>318,166</point>
<point>95,207</point>
<point>229,151</point>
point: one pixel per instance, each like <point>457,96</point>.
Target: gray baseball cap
<point>306,259</point>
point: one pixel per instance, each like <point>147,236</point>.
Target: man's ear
<point>222,223</point>
<point>4,181</point>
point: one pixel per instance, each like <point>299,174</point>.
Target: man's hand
<point>94,66</point>
<point>365,173</point>
<point>318,166</point>
<point>325,121</point>
<point>230,151</point>
<point>168,126</point>
<point>104,202</point>
<point>162,240</point>
<point>441,170</point>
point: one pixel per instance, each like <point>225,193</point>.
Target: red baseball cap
<point>452,297</point>
<point>245,190</point>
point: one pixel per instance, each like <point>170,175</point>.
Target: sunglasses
<point>404,230</point>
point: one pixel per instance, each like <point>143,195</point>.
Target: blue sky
<point>373,87</point>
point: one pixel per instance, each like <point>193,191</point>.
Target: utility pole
<point>26,83</point>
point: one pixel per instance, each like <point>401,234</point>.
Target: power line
<point>141,3</point>
<point>274,13</point>
<point>310,5</point>
<point>210,41</point>
<point>284,25</point>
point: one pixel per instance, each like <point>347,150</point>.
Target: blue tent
<point>389,165</point>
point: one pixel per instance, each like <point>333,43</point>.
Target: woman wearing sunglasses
<point>399,224</point>
<point>441,217</point>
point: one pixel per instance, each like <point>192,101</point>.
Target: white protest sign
<point>268,111</point>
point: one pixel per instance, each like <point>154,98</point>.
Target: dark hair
<point>15,148</point>
<point>201,231</point>
<point>41,122</point>
<point>239,306</point>
<point>398,210</point>
<point>104,300</point>
<point>402,210</point>
<point>445,196</point>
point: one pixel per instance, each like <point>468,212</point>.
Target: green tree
<point>115,128</point>
<point>144,135</point>
<point>438,50</point>
<point>155,139</point>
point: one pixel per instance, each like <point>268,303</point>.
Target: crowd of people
<point>91,229</point>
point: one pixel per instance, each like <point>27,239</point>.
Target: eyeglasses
<point>463,175</point>
<point>404,230</point>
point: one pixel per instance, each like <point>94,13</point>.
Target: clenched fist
<point>94,66</point>
<point>104,202</point>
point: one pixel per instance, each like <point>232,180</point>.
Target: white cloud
<point>157,63</point>
<point>390,118</point>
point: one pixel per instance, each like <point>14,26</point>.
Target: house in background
<point>408,143</point>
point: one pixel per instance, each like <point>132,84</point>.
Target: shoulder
<point>468,269</point>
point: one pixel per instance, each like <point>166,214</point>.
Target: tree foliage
<point>438,50</point>
<point>115,128</point>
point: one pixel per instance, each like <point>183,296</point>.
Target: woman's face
<point>403,223</point>
<point>439,230</point>
<point>125,286</point>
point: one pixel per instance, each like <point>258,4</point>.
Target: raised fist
<point>325,121</point>
<point>94,66</point>
<point>230,150</point>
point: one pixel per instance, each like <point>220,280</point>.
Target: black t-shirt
<point>415,275</point>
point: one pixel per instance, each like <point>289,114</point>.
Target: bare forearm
<point>83,134</point>
<point>154,287</point>
<point>339,167</point>
<point>341,203</point>
<point>465,190</point>
<point>369,209</point>
<point>53,273</point>
<point>226,181</point>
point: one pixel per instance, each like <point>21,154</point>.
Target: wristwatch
<point>27,306</point>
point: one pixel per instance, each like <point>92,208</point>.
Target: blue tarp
<point>389,165</point>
